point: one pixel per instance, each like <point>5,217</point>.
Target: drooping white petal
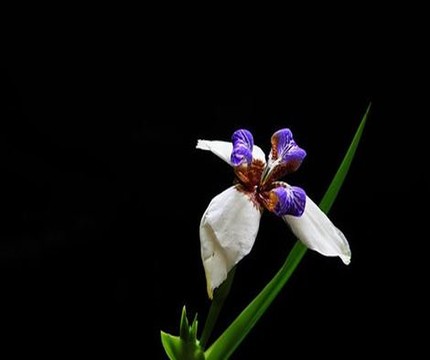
<point>228,230</point>
<point>223,150</point>
<point>318,233</point>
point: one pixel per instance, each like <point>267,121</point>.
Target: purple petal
<point>285,148</point>
<point>243,142</point>
<point>287,200</point>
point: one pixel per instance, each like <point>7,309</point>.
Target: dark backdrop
<point>103,191</point>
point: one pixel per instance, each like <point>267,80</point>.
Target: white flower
<point>230,224</point>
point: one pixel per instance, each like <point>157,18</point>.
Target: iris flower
<point>229,226</point>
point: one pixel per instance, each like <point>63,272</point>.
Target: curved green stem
<point>217,303</point>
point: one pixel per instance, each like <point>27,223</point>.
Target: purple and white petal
<point>243,143</point>
<point>318,233</point>
<point>286,200</point>
<point>285,153</point>
<point>228,230</point>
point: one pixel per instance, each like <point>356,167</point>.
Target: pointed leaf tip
<point>193,329</point>
<point>184,328</point>
<point>337,182</point>
<point>186,346</point>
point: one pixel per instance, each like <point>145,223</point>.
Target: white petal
<point>223,150</point>
<point>228,230</point>
<point>318,233</point>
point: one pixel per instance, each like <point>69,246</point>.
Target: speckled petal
<point>285,156</point>
<point>285,148</point>
<point>287,200</point>
<point>243,142</point>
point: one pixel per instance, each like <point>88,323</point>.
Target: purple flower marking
<point>289,200</point>
<point>286,150</point>
<point>243,142</point>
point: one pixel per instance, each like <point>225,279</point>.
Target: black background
<point>103,191</point>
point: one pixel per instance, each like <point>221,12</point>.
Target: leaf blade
<point>337,182</point>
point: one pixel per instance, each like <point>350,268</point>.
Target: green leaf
<point>227,343</point>
<point>186,346</point>
<point>184,327</point>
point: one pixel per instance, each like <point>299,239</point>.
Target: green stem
<point>227,343</point>
<point>220,295</point>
